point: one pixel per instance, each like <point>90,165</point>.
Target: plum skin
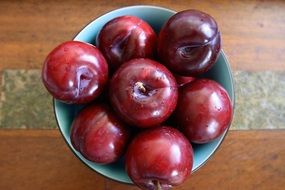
<point>99,135</point>
<point>124,38</point>
<point>204,110</point>
<point>189,43</point>
<point>75,72</point>
<point>143,93</point>
<point>159,158</point>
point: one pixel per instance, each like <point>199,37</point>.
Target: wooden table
<point>39,159</point>
<point>253,38</point>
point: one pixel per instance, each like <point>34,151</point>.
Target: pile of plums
<point>144,95</point>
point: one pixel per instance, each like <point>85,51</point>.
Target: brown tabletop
<point>253,34</point>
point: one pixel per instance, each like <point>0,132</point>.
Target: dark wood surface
<point>253,35</point>
<point>40,159</point>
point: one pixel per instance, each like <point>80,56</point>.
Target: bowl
<point>156,17</point>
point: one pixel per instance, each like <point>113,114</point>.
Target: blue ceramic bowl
<point>156,17</point>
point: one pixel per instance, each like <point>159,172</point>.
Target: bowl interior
<point>156,17</point>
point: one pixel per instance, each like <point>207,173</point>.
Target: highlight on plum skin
<point>189,43</point>
<point>204,110</point>
<point>124,38</point>
<point>143,93</point>
<point>99,135</point>
<point>159,158</point>
<point>75,72</point>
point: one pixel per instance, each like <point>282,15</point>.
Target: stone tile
<point>24,102</point>
<point>260,100</point>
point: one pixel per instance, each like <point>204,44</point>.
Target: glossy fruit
<point>98,134</point>
<point>189,43</point>
<point>143,92</point>
<point>125,38</point>
<point>182,80</point>
<point>159,158</point>
<point>75,72</point>
<point>204,110</point>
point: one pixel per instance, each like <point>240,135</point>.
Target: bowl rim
<point>122,9</point>
<point>233,97</point>
<point>233,100</point>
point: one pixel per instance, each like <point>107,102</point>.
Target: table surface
<point>253,34</point>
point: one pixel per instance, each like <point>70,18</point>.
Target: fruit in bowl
<point>142,95</point>
<point>75,72</point>
<point>125,38</point>
<point>98,134</point>
<point>143,92</point>
<point>190,42</point>
<point>204,110</point>
<point>159,158</point>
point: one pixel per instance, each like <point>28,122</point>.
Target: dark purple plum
<point>143,92</point>
<point>75,72</point>
<point>125,38</point>
<point>204,110</point>
<point>189,43</point>
<point>159,158</point>
<point>99,135</point>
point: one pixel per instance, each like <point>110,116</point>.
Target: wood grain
<point>253,35</point>
<point>252,31</point>
<point>40,159</point>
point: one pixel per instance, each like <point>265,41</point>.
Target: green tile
<point>260,100</point>
<point>24,101</point>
